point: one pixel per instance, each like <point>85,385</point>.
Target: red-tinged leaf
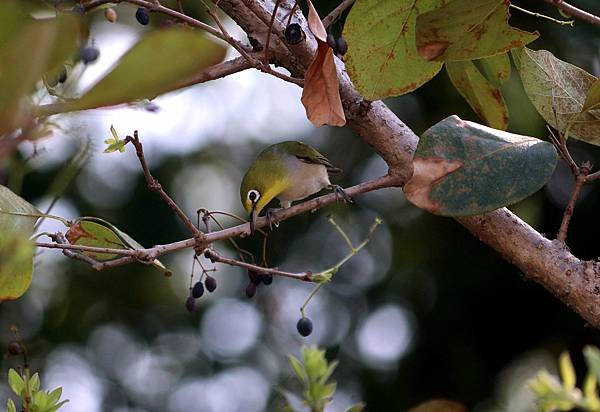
<point>463,168</point>
<point>315,24</point>
<point>321,94</point>
<point>382,58</point>
<point>467,30</point>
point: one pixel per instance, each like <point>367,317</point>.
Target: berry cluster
<point>338,44</point>
<point>196,292</point>
<point>255,280</point>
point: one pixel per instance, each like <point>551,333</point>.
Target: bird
<point>288,171</point>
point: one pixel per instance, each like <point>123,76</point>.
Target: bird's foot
<point>271,219</point>
<point>340,194</point>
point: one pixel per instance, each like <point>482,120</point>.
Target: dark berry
<point>79,9</point>
<point>250,290</point>
<point>142,15</point>
<point>294,33</point>
<point>304,326</point>
<point>198,290</point>
<point>210,283</point>
<point>267,279</point>
<point>63,75</point>
<point>331,41</point>
<point>14,348</point>
<point>190,304</point>
<point>89,54</point>
<point>256,46</point>
<point>255,277</point>
<point>342,46</point>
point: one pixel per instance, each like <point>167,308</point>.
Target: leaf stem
<point>543,16</point>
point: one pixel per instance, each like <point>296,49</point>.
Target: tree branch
<point>149,254</point>
<point>549,263</point>
<point>335,13</point>
<point>575,12</point>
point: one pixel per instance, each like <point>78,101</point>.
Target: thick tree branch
<point>335,13</point>
<point>549,263</point>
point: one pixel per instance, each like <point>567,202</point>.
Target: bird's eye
<point>253,195</point>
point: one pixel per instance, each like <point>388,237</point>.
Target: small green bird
<point>287,171</point>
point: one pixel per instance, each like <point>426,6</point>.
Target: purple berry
<point>304,326</point>
<point>89,54</point>
<point>198,290</point>
<point>190,304</point>
<point>250,290</point>
<point>210,283</point>
<point>142,15</point>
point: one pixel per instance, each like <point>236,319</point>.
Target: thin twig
<point>580,180</point>
<point>304,276</point>
<point>335,13</point>
<point>270,29</point>
<point>155,186</point>
<point>543,16</point>
<point>575,12</point>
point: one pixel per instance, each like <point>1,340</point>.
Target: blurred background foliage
<point>424,311</point>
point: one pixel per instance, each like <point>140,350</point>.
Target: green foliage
<point>485,99</point>
<point>17,220</point>
<point>314,372</point>
<point>144,73</point>
<point>496,69</point>
<point>468,29</point>
<point>96,232</point>
<point>382,58</point>
<point>27,388</point>
<point>559,91</point>
<point>464,168</point>
<point>29,48</point>
<point>562,394</point>
<point>114,143</point>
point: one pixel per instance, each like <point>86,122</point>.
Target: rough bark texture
<point>575,282</point>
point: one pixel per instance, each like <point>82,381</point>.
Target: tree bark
<point>549,263</point>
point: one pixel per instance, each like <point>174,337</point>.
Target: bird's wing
<point>310,155</point>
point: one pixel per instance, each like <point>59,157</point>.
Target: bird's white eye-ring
<point>253,195</point>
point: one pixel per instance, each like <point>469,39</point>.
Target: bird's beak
<point>252,219</point>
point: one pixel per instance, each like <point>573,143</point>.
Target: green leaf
<point>16,251</point>
<point>28,49</point>
<point>589,387</point>
<point>552,83</point>
<point>96,232</point>
<point>40,400</point>
<point>320,392</point>
<point>496,69</point>
<point>315,363</point>
<point>298,369</point>
<point>467,30</point>
<point>485,99</point>
<point>10,406</point>
<point>592,359</point>
<point>359,407</point>
<point>114,143</point>
<point>16,381</point>
<point>382,58</point>
<point>57,406</point>
<point>592,100</point>
<point>330,369</point>
<point>34,383</point>
<point>157,64</point>
<point>463,168</point>
<point>54,396</point>
<point>439,405</point>
<point>567,371</point>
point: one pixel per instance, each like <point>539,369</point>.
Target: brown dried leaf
<point>315,24</point>
<point>321,94</point>
<point>428,172</point>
